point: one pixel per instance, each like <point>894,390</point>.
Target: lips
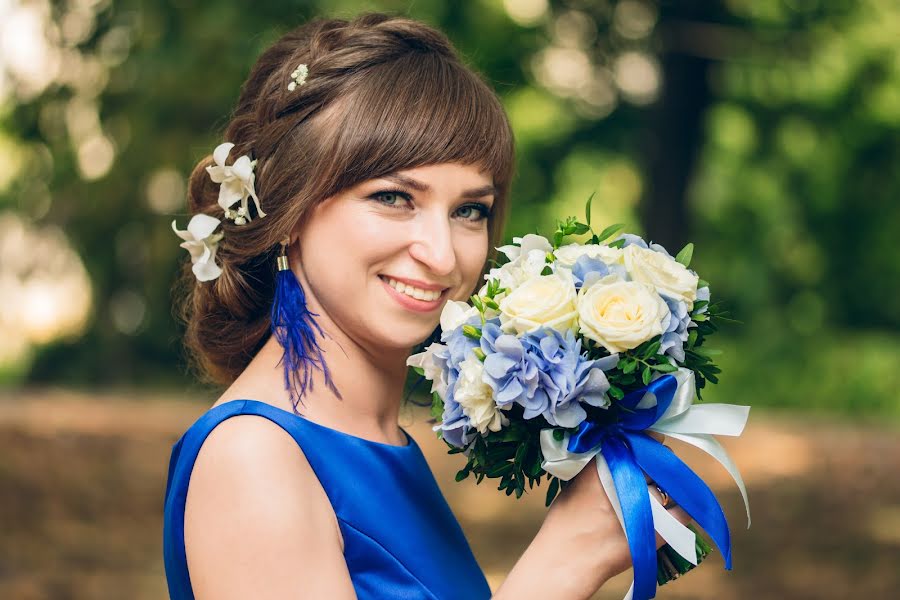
<point>405,295</point>
<point>416,283</point>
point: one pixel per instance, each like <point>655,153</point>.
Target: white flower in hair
<point>201,243</point>
<point>298,77</point>
<point>236,181</point>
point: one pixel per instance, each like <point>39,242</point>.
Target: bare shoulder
<point>257,522</point>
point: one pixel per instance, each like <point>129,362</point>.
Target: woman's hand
<point>580,545</point>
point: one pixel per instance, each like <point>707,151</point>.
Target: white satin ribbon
<point>682,420</point>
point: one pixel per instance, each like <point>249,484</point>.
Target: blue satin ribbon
<point>630,453</point>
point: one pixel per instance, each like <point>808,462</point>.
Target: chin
<point>406,336</point>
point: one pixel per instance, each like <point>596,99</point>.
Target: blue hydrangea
<point>630,239</point>
<point>588,269</point>
<point>675,331</point>
<point>454,423</point>
<point>545,372</point>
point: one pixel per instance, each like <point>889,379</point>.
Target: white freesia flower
<point>201,243</point>
<point>667,275</point>
<point>620,315</point>
<point>514,273</point>
<point>237,182</point>
<point>477,398</point>
<point>567,255</point>
<point>455,314</point>
<point>543,301</point>
<point>432,372</point>
<point>522,245</point>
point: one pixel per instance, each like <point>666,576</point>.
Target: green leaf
<point>653,348</point>
<point>520,454</point>
<point>629,365</point>
<point>609,231</point>
<point>616,392</point>
<point>437,406</point>
<point>665,368</point>
<point>685,255</point>
<point>547,271</point>
<point>645,375</point>
<point>581,228</point>
<point>587,209</point>
<point>462,474</point>
<point>617,244</point>
<point>552,490</point>
<point>558,434</point>
<point>419,370</point>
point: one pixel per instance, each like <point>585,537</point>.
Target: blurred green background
<point>765,131</point>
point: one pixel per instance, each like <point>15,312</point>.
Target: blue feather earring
<point>295,328</point>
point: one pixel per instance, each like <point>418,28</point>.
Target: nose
<point>433,246</point>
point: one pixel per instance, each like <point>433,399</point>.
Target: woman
<point>380,166</point>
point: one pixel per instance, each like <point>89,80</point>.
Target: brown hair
<point>383,93</point>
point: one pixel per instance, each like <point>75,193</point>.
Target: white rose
<point>668,276</point>
<point>542,301</point>
<point>567,255</point>
<point>620,315</point>
<point>477,398</point>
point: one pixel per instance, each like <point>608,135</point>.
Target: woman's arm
<point>257,522</point>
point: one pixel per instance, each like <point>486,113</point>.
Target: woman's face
<point>382,258</point>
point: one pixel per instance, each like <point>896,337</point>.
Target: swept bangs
<point>418,110</point>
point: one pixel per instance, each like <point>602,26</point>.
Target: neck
<point>370,383</point>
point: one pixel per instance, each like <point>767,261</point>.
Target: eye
<point>474,212</point>
<point>391,198</point>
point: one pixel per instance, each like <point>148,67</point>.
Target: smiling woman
<point>379,165</point>
<point>384,163</point>
<point>382,95</point>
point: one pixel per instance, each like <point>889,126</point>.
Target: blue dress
<point>400,538</point>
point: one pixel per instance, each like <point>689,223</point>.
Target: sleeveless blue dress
<point>400,538</point>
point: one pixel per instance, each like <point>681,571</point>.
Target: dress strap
<point>181,464</point>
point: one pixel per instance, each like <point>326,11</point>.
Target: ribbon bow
<point>623,450</point>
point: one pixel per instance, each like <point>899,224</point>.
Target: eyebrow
<point>420,186</point>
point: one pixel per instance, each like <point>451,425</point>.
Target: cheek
<point>471,252</point>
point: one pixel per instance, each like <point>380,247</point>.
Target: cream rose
<point>568,254</point>
<point>542,301</point>
<point>667,275</point>
<point>620,315</point>
<point>477,398</point>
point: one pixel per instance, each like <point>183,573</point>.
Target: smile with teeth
<point>413,292</point>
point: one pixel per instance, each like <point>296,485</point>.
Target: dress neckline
<point>410,442</point>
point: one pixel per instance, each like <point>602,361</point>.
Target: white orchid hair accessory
<point>237,184</point>
<point>201,243</point>
<point>237,181</point>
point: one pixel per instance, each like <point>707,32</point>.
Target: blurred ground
<point>82,479</point>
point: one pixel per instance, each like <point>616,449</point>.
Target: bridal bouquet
<point>574,351</point>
